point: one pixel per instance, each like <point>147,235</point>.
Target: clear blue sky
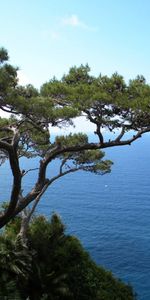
<point>46,37</point>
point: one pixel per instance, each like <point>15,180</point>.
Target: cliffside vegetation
<point>53,265</point>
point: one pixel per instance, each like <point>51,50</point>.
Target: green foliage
<point>70,140</point>
<point>78,75</point>
<point>54,266</point>
<point>87,160</point>
<point>8,76</point>
<point>107,101</point>
<point>3,55</point>
<point>28,92</point>
<point>8,290</point>
<point>15,267</point>
<point>12,228</point>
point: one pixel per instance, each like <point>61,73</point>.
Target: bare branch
<point>14,163</point>
<point>63,163</point>
<point>119,137</point>
<point>9,110</point>
<point>36,201</point>
<point>30,170</point>
<point>64,173</point>
<point>26,217</point>
<point>99,133</point>
<point>36,195</point>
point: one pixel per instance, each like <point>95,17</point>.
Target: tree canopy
<point>108,102</point>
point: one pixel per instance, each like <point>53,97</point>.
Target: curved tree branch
<point>14,163</point>
<point>35,196</point>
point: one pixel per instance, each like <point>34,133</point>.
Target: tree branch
<point>30,170</point>
<point>119,137</point>
<point>37,195</point>
<point>99,133</point>
<point>26,217</point>
<point>6,146</point>
<point>14,163</point>
<point>57,151</point>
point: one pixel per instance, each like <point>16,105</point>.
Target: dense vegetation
<point>52,266</point>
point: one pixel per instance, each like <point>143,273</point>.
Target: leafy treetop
<point>107,102</point>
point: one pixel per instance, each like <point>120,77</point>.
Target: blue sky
<point>45,38</point>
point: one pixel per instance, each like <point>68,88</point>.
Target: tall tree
<point>109,103</point>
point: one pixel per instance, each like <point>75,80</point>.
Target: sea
<point>110,214</point>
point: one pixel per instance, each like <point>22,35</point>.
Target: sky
<point>45,38</point>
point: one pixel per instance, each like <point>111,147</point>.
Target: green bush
<point>54,266</point>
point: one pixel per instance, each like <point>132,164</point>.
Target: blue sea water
<point>110,214</point>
